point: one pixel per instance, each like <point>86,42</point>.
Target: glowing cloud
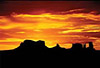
<point>63,28</point>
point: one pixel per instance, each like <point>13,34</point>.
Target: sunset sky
<point>62,22</point>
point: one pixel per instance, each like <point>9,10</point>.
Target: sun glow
<point>63,29</point>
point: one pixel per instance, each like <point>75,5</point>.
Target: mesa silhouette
<point>39,48</point>
<point>36,51</point>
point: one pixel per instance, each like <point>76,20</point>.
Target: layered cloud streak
<point>64,28</point>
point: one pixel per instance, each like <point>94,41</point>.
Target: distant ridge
<point>29,44</point>
<point>40,45</point>
<point>34,47</point>
<point>36,52</point>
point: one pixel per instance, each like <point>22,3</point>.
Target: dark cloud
<point>88,34</point>
<point>50,6</point>
<point>10,33</point>
<point>21,20</point>
<point>65,28</point>
<point>80,21</point>
<point>4,36</point>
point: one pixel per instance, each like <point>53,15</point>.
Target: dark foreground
<point>33,54</point>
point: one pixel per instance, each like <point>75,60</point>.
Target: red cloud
<point>52,28</point>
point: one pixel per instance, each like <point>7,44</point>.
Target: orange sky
<point>63,27</point>
<point>52,28</point>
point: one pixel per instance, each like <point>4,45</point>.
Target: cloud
<point>4,36</point>
<point>53,28</point>
<point>89,34</point>
<point>73,11</point>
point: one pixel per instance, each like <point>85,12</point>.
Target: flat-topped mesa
<point>26,44</point>
<point>29,44</point>
<point>91,48</point>
<point>90,45</point>
<point>79,46</point>
<point>76,46</point>
<point>40,45</point>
